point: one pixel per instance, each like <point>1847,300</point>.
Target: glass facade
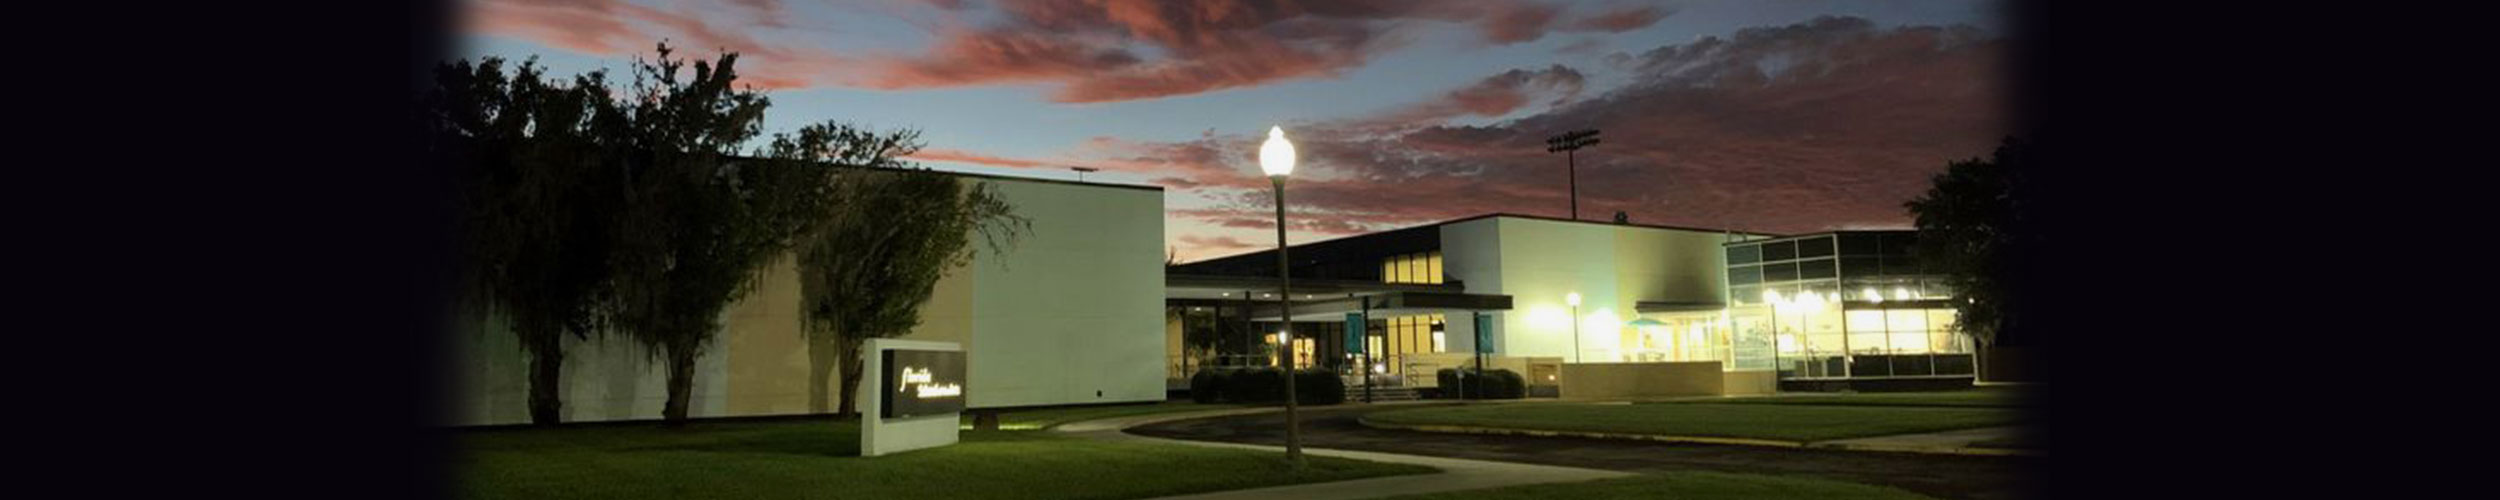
<point>1424,267</point>
<point>1842,305</point>
<point>1399,336</point>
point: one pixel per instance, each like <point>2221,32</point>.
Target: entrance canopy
<point>1329,300</point>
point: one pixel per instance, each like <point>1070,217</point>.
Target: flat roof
<point>1482,217</point>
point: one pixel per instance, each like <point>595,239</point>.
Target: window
<point>1860,266</point>
<point>1859,244</point>
<point>1778,251</point>
<point>1815,269</point>
<point>1744,254</point>
<point>1779,272</point>
<point>1422,268</point>
<point>1815,247</point>
<point>1432,274</point>
<point>1744,275</point>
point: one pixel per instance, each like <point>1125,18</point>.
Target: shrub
<point>1266,385</point>
<point>1255,385</point>
<point>1496,384</point>
<point>1318,387</point>
<point>1449,379</point>
<point>1505,384</point>
<point>1207,386</point>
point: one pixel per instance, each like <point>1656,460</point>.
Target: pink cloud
<point>1822,124</point>
<point>1093,50</point>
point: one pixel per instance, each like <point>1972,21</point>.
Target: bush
<point>1505,384</point>
<point>1265,385</point>
<point>1496,384</point>
<point>1318,387</point>
<point>1255,385</point>
<point>1207,386</point>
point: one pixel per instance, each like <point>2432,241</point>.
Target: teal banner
<point>1484,333</point>
<point>1354,333</point>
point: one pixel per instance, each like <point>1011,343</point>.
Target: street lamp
<point>1574,299</point>
<point>1276,159</point>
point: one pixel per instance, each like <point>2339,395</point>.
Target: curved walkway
<point>1339,428</point>
<point>1955,442</point>
<point>1456,473</point>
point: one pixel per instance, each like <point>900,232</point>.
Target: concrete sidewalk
<point>1455,475</point>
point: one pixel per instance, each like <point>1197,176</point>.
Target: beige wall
<point>1640,380</point>
<point>1071,315</point>
<point>1751,383</point>
<point>1613,268</point>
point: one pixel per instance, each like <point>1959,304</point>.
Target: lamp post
<point>1574,299</point>
<point>1276,159</point>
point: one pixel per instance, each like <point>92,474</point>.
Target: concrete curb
<point>1818,445</point>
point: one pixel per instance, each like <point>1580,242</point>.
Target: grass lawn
<point>1757,421</point>
<point>819,459</point>
<point>1687,485</point>
<point>1046,418</point>
<point>1959,399</point>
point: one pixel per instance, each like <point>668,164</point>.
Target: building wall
<point>1642,380</point>
<point>1612,267</point>
<point>1074,308</point>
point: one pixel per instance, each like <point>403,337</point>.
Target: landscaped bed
<point>1686,485</point>
<point>1789,423</point>
<point>819,459</point>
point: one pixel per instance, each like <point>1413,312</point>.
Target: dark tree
<point>531,196</point>
<point>865,273</point>
<point>1973,230</point>
<point>698,223</point>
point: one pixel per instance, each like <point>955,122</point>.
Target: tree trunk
<point>822,357</point>
<point>546,377</point>
<point>851,366</point>
<point>680,387</point>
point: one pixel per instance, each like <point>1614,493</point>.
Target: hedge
<point>1264,385</point>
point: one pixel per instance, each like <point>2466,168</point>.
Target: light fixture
<point>1901,293</point>
<point>1874,296</point>
<point>1573,298</point>
<point>1276,155</point>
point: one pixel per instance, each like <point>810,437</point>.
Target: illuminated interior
<point>1845,305</point>
<point>1424,267</point>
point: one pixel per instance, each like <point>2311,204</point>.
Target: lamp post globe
<point>1276,159</point>
<point>1276,155</point>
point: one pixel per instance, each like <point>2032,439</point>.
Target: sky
<point>1761,116</point>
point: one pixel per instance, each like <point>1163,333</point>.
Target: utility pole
<point>1566,144</point>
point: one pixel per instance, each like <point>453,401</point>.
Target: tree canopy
<point>587,209</point>
<point>530,162</point>
<point>866,272</point>
<point>1972,230</point>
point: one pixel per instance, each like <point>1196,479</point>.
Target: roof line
<point>1485,216</point>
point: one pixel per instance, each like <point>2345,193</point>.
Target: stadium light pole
<point>1276,159</point>
<point>1566,144</point>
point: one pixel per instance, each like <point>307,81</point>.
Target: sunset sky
<point>1767,116</point>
